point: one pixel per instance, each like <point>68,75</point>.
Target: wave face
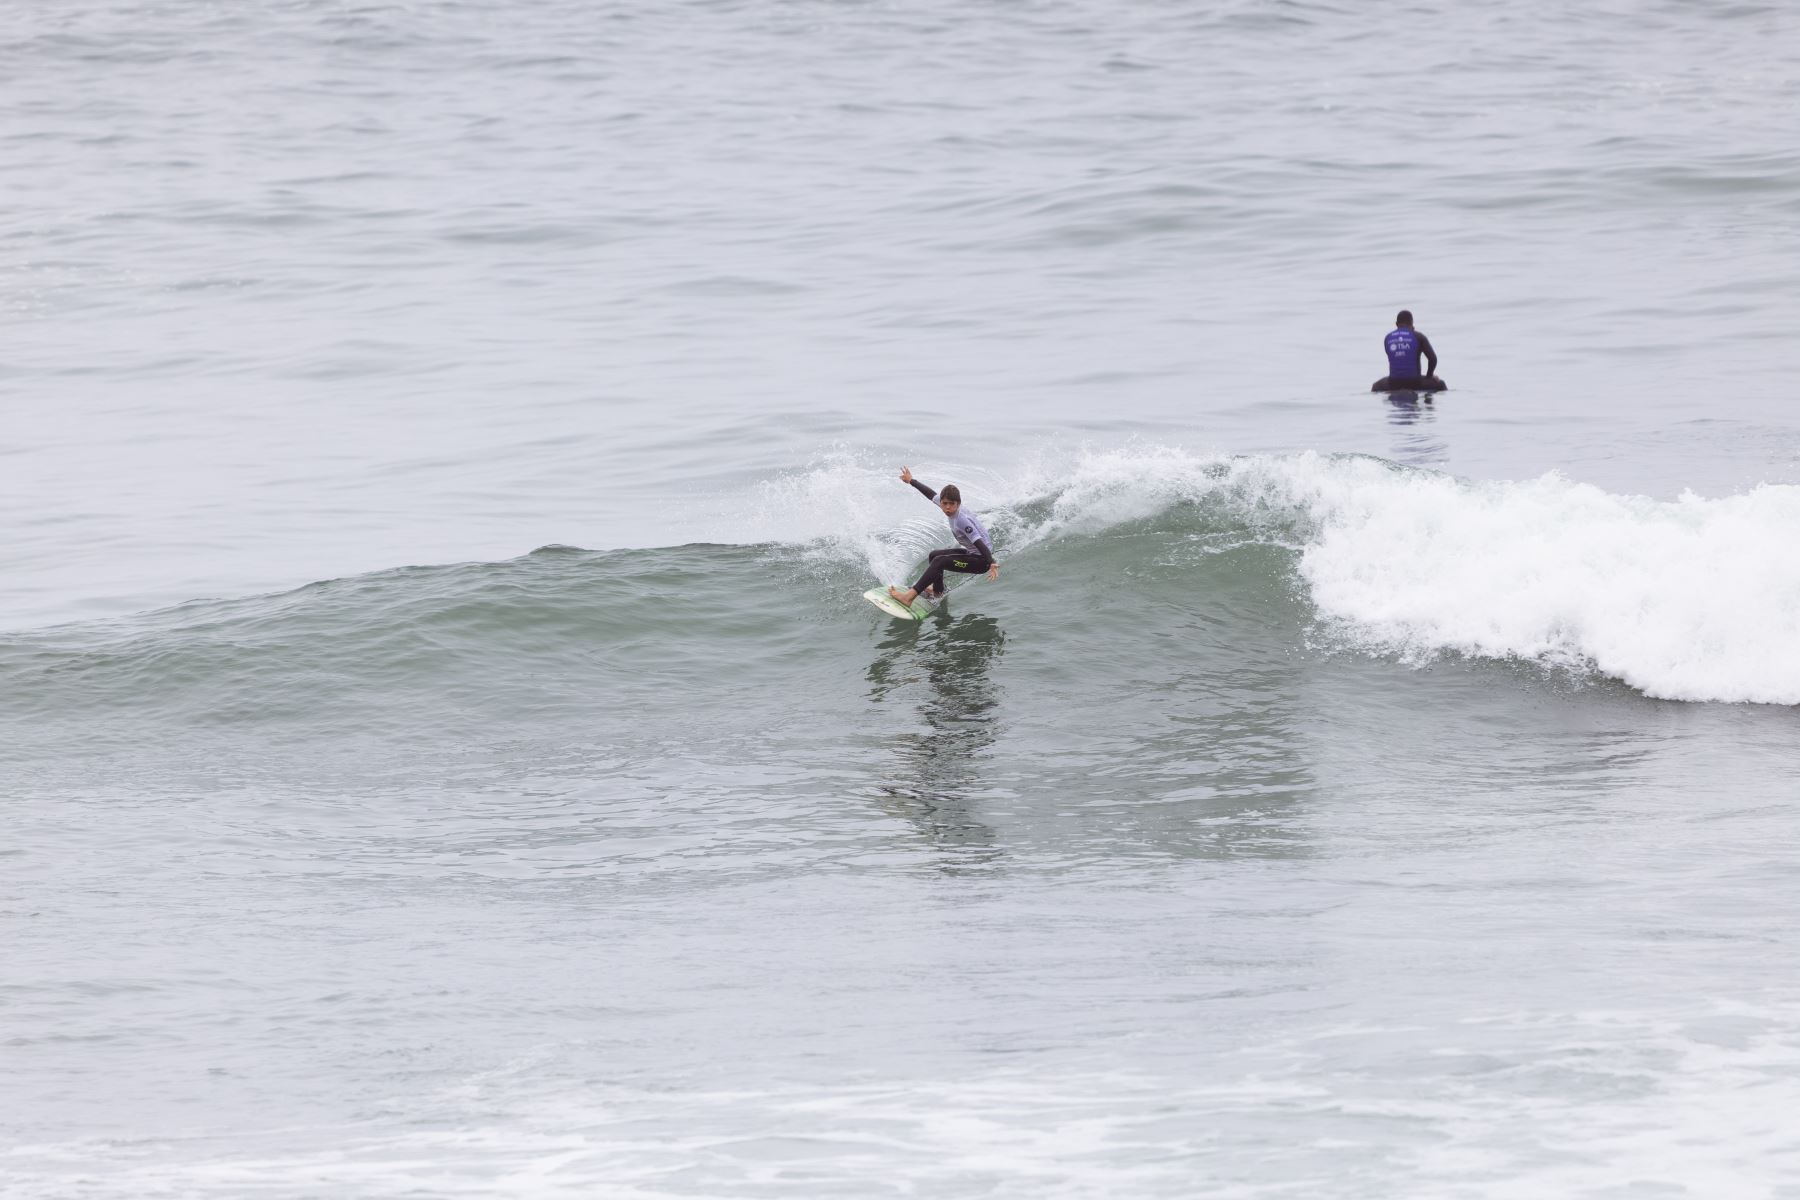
<point>1692,599</point>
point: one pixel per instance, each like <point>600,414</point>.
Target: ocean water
<point>444,751</point>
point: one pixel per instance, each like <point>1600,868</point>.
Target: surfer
<point>972,554</point>
<point>1404,346</point>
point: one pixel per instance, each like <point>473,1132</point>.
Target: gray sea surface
<point>444,751</point>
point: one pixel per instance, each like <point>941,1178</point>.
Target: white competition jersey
<point>968,530</point>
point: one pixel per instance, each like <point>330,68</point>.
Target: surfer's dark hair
<point>1403,319</point>
<point>951,494</point>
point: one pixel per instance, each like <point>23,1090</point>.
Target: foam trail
<point>849,506</point>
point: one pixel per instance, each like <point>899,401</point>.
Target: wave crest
<point>1690,599</point>
<point>1686,599</point>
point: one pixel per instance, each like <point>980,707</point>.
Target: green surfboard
<point>879,597</point>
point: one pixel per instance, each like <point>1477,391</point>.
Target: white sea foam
<point>1691,599</point>
<point>1472,1117</point>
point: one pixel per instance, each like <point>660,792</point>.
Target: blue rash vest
<point>1402,348</point>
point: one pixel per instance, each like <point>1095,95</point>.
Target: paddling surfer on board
<point>972,554</point>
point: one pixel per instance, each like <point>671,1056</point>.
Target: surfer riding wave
<point>973,554</point>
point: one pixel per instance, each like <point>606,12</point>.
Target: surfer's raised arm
<point>906,477</point>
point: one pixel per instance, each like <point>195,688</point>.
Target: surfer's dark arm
<point>929,494</point>
<point>985,550</point>
<point>1430,354</point>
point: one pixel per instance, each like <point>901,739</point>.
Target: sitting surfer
<point>973,554</point>
<point>1404,346</point>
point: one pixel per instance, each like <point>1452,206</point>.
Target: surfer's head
<point>949,499</point>
<point>1403,319</point>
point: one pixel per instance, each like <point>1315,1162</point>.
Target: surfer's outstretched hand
<point>993,572</point>
<point>905,474</point>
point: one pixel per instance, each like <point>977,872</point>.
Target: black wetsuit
<point>964,562</point>
<point>972,556</point>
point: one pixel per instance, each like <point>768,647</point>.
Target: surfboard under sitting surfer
<point>1404,346</point>
<point>973,554</point>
